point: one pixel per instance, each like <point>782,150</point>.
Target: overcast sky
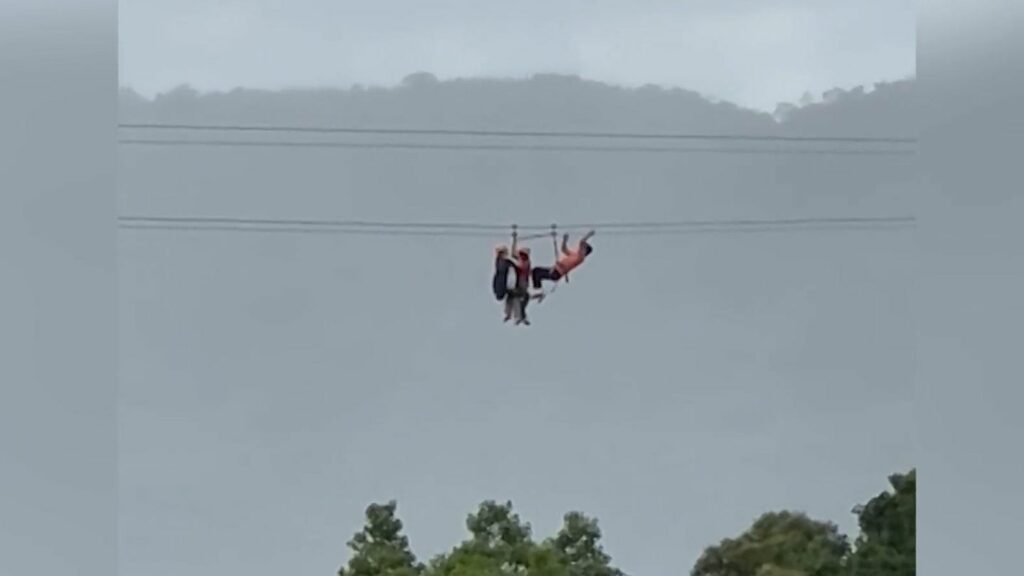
<point>273,385</point>
<point>753,53</point>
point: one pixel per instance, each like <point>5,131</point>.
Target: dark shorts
<point>541,274</point>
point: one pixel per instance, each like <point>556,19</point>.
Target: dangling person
<point>568,260</point>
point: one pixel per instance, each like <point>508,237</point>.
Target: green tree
<point>499,533</point>
<point>500,544</point>
<point>545,561</point>
<point>464,561</point>
<point>778,544</point>
<point>887,545</point>
<point>578,547</point>
<point>380,548</point>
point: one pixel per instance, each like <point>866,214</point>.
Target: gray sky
<point>273,385</point>
<point>753,53</point>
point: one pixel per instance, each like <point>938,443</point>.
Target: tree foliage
<point>778,544</point>
<point>887,545</point>
<point>498,533</point>
<point>380,548</point>
<point>578,546</point>
<point>500,543</point>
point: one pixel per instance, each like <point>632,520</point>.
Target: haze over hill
<point>549,102</point>
<point>749,52</point>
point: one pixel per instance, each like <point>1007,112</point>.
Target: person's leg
<point>540,274</point>
<point>521,312</point>
<point>517,301</point>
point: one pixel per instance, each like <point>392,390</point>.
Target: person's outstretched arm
<point>565,244</point>
<point>586,237</point>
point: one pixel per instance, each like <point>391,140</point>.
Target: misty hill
<point>477,184</point>
<point>543,102</point>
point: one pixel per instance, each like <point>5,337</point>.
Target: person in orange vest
<point>568,260</point>
<point>515,261</point>
<point>519,296</point>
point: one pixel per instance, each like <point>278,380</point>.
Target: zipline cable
<point>511,147</point>
<point>517,133</point>
<point>477,226</point>
<point>494,231</point>
<point>498,236</point>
